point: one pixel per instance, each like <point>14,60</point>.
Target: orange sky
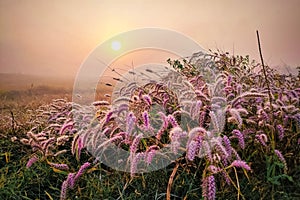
<point>54,37</point>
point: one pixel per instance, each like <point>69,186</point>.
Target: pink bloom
<point>70,180</point>
<point>31,161</point>
<point>207,150</point>
<point>81,170</point>
<point>68,125</point>
<point>197,131</point>
<point>280,130</point>
<point>134,163</point>
<point>198,105</point>
<point>209,188</point>
<point>164,125</point>
<point>264,115</point>
<point>236,115</point>
<point>79,148</point>
<point>63,192</point>
<point>226,177</point>
<point>213,169</point>
<point>146,119</point>
<point>46,143</point>
<point>221,150</point>
<point>108,116</point>
<point>147,99</point>
<point>150,155</point>
<point>100,103</point>
<point>281,158</point>
<point>202,118</point>
<point>241,164</point>
<point>240,137</point>
<point>59,166</point>
<point>176,134</point>
<point>135,143</point>
<point>229,79</point>
<point>74,142</point>
<point>192,150</point>
<point>172,120</point>
<point>262,138</point>
<point>130,122</point>
<point>227,145</point>
<point>175,146</point>
<point>164,119</point>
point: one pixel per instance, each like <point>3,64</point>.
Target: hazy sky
<point>54,37</point>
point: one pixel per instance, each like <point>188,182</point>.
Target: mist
<point>53,38</point>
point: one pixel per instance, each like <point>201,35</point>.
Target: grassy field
<point>270,177</point>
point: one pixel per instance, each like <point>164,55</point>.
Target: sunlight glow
<point>116,45</point>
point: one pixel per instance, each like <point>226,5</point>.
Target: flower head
<point>281,158</point>
<point>146,119</point>
<point>241,164</point>
<point>63,192</point>
<point>280,130</point>
<point>81,171</point>
<point>32,160</point>
<point>240,137</point>
<point>209,188</point>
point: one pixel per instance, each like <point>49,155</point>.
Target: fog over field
<point>54,38</point>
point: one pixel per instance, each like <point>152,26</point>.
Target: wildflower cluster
<point>213,108</point>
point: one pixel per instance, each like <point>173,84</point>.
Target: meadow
<point>248,150</point>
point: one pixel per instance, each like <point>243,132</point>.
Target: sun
<point>116,45</point>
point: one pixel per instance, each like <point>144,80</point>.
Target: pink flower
<point>176,134</point>
<point>150,155</point>
<point>68,125</point>
<point>164,125</point>
<point>197,131</point>
<point>172,120</point>
<point>240,137</point>
<point>46,143</point>
<point>192,150</point>
<point>100,103</point>
<point>280,130</point>
<point>264,115</point>
<point>63,192</point>
<point>236,115</point>
<point>198,105</point>
<point>134,162</point>
<point>202,118</point>
<point>209,188</point>
<point>146,119</point>
<point>241,164</point>
<point>135,143</point>
<point>226,177</point>
<point>262,138</point>
<point>213,169</point>
<point>108,116</point>
<point>32,160</point>
<point>229,79</point>
<point>130,122</point>
<point>221,150</point>
<point>70,180</point>
<point>81,170</point>
<point>59,166</point>
<point>79,148</point>
<point>147,99</point>
<point>281,158</point>
<point>227,145</point>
